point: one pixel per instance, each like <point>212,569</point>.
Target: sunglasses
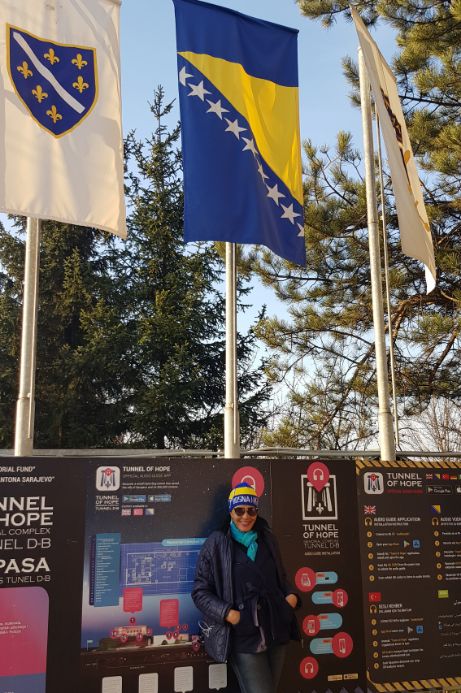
<point>251,511</point>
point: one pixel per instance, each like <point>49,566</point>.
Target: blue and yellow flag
<point>238,87</point>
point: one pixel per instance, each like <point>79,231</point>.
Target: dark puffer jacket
<point>213,594</point>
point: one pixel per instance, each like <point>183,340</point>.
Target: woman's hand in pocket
<point>233,617</point>
<point>292,600</point>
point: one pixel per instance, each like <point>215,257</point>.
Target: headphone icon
<point>250,480</point>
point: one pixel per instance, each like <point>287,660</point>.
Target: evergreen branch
<point>453,337</point>
<point>437,102</point>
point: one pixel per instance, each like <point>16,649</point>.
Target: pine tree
<point>80,398</point>
<point>130,335</point>
<point>175,309</point>
<point>10,298</point>
<point>327,341</point>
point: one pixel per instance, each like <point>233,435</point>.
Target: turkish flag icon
<point>374,596</point>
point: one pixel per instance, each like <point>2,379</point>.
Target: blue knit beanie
<point>243,494</point>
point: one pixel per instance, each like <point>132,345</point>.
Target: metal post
<point>231,412</point>
<point>386,432</point>
<point>388,289</point>
<point>25,407</point>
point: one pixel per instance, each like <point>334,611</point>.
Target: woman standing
<point>241,588</point>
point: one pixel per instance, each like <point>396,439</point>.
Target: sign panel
<point>96,567</point>
<point>145,523</point>
<point>41,563</point>
<point>314,518</point>
<point>97,563</point>
<point>410,529</point>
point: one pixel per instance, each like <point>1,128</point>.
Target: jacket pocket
<point>287,613</point>
<point>215,639</point>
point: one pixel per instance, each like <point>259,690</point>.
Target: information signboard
<point>410,528</point>
<point>314,516</point>
<point>96,566</point>
<point>97,560</point>
<point>42,522</point>
<point>145,523</point>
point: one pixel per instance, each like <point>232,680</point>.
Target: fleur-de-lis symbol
<point>39,94</point>
<point>54,115</point>
<point>51,56</point>
<point>79,62</point>
<point>80,84</point>
<point>24,70</point>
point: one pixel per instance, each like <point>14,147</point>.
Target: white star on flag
<point>216,108</point>
<point>261,171</point>
<point>233,126</point>
<point>274,193</point>
<point>301,230</point>
<point>198,90</point>
<point>183,75</point>
<point>250,145</point>
<point>289,213</point>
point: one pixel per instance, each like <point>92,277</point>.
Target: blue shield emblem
<point>56,82</point>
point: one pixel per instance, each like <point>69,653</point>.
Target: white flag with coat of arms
<point>415,232</point>
<point>61,145</point>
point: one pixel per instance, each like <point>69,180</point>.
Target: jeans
<point>259,673</point>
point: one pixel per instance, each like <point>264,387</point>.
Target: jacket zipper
<point>229,577</point>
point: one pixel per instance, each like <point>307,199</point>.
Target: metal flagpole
<point>231,412</point>
<point>388,290</point>
<point>25,407</point>
<point>386,432</point>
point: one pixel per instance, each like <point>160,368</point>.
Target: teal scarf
<point>248,539</point>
